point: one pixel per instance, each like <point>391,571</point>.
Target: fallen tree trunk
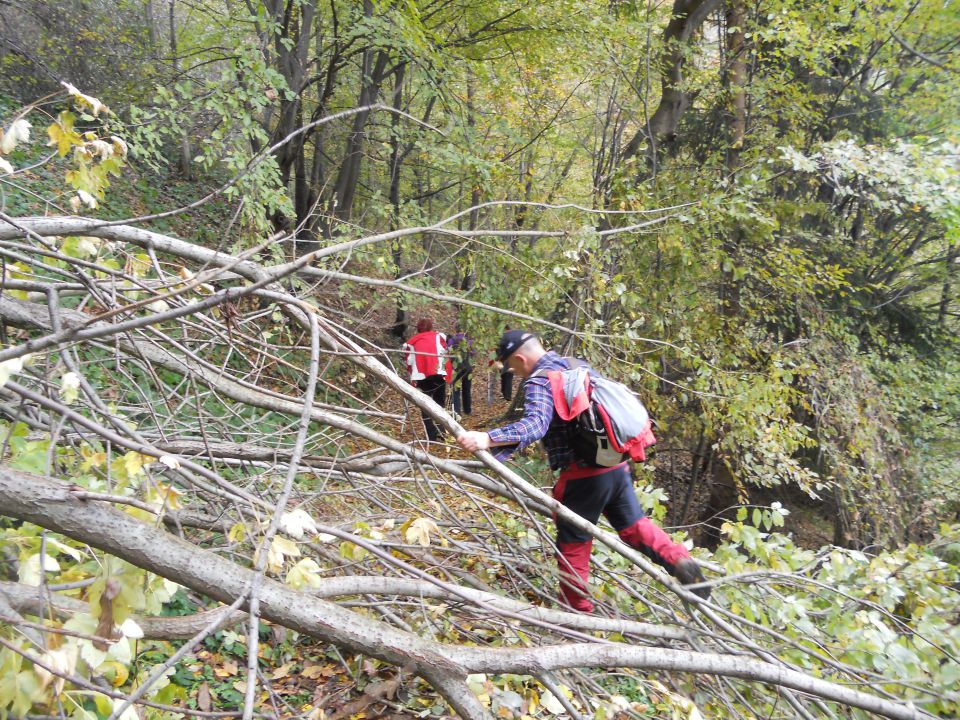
<point>55,506</point>
<point>26,599</point>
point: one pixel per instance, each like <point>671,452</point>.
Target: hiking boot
<point>688,573</point>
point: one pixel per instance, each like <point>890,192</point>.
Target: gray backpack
<point>610,424</point>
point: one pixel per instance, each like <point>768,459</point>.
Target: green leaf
<point>18,691</point>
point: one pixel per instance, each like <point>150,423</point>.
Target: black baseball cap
<point>511,342</point>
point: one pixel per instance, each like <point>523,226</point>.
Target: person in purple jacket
<point>586,489</point>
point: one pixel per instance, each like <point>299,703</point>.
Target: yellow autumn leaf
<point>31,570</point>
<point>352,551</point>
<point>11,367</point>
<point>87,199</point>
<point>297,523</point>
<point>133,462</point>
<point>18,132</point>
<point>237,533</point>
<point>418,532</point>
<point>169,461</point>
<point>70,387</point>
<point>227,669</point>
<point>119,145</point>
<point>534,701</point>
<point>138,265</point>
<point>306,573</point>
<point>680,704</point>
<point>280,550</point>
<point>165,495</point>
<point>314,672</point>
<point>551,704</point>
<point>116,672</point>
<point>62,136</point>
<point>91,459</point>
<point>282,671</point>
<point>85,101</point>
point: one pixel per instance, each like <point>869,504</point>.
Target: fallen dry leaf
<point>203,697</point>
<point>373,693</point>
<point>105,627</point>
<point>227,669</point>
<point>313,672</point>
<point>282,671</point>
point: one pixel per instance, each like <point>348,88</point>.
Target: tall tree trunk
<point>310,187</point>
<point>526,182</point>
<point>185,157</point>
<point>396,159</point>
<point>686,18</point>
<point>945,295</point>
<point>291,46</point>
<point>724,489</point>
<point>302,197</point>
<point>151,23</point>
<point>470,275</point>
<point>345,191</point>
<point>734,81</point>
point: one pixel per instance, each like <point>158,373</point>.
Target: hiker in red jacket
<point>430,368</point>
<point>586,489</point>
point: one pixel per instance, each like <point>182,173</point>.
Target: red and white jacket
<point>426,355</point>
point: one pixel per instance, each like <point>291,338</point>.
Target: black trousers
<point>506,385</point>
<point>462,393</point>
<point>436,387</point>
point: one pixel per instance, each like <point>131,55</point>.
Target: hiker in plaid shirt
<point>586,489</point>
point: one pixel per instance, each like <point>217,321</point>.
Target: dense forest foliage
<point>220,219</point>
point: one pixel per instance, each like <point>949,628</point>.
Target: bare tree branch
<point>51,504</point>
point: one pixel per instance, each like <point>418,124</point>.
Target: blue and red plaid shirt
<point>540,421</point>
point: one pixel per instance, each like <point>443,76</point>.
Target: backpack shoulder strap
<point>572,364</point>
<point>570,390</point>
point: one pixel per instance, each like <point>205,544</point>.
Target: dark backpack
<point>609,424</point>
